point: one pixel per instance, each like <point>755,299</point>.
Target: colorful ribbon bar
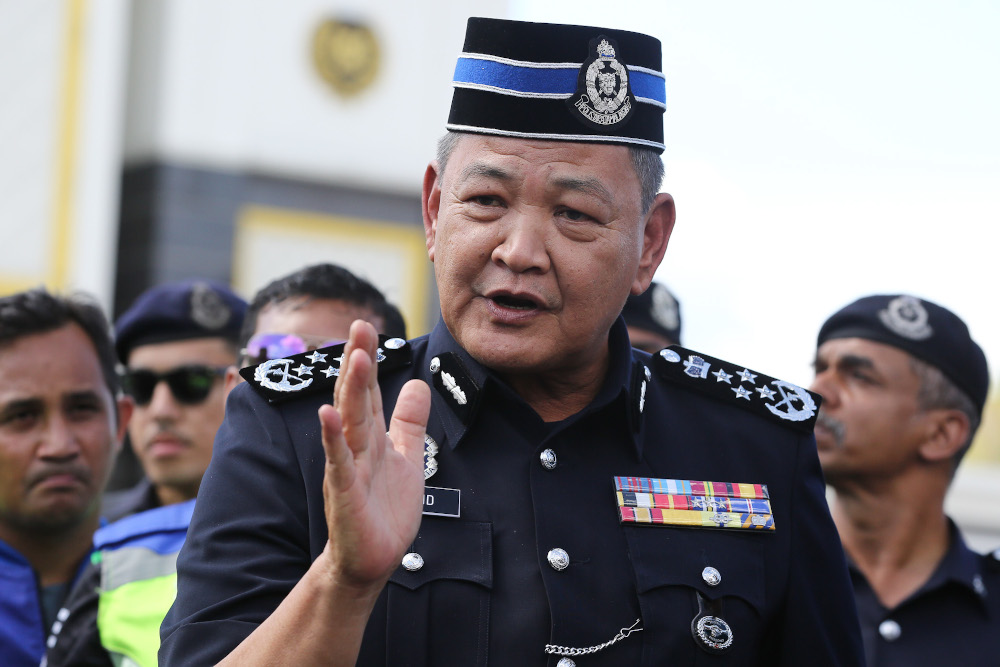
<point>697,518</point>
<point>669,501</point>
<point>682,502</point>
<point>687,487</point>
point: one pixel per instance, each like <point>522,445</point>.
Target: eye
<point>83,408</point>
<point>486,200</point>
<point>573,215</point>
<point>20,418</point>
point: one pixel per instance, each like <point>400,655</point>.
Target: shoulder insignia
<point>454,383</point>
<point>778,400</point>
<point>283,379</point>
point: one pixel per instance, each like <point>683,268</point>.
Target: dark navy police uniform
<point>538,554</point>
<point>952,619</point>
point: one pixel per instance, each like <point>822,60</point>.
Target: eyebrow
<point>486,170</point>
<point>847,362</point>
<point>590,186</point>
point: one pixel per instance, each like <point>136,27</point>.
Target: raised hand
<point>373,486</point>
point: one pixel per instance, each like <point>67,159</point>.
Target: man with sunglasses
<point>175,342</point>
<point>62,418</point>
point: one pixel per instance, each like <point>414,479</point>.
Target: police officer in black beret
<point>545,494</point>
<point>904,386</point>
<point>653,318</point>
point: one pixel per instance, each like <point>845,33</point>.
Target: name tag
<point>442,502</point>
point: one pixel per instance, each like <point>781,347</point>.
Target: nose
<point>59,442</point>
<point>824,385</point>
<point>522,244</point>
<point>162,403</point>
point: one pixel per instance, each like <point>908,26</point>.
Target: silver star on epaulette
<point>331,371</point>
<point>316,357</point>
<point>747,376</point>
<point>722,376</point>
<point>765,392</point>
<point>741,392</point>
<point>304,370</point>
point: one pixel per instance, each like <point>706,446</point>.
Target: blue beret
<point>559,82</point>
<point>180,311</point>
<point>921,328</point>
<point>655,310</point>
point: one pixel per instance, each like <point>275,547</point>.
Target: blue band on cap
<point>546,80</point>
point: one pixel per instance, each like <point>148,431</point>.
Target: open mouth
<point>514,303</point>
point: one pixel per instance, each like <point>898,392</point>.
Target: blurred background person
<point>903,387</point>
<point>61,420</point>
<point>176,342</point>
<point>653,319</point>
<point>308,309</point>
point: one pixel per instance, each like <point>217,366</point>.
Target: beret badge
<point>906,316</point>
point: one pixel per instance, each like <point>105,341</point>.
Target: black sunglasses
<point>189,384</point>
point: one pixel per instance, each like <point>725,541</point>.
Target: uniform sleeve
<point>820,620</point>
<point>75,640</point>
<point>248,542</point>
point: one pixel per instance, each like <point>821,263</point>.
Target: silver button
<point>565,662</point>
<point>890,630</point>
<point>435,365</point>
<point>670,355</point>
<point>395,343</point>
<point>548,458</point>
<point>711,576</point>
<point>558,559</point>
<point>413,561</point>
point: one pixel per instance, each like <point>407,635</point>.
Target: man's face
<point>870,424</point>
<point>314,319</point>
<point>59,431</point>
<point>171,438</point>
<point>536,246</point>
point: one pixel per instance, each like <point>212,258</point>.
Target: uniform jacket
<point>489,588</point>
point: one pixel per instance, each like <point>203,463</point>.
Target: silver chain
<point>552,649</point>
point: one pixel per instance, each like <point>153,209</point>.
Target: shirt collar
<point>459,382</point>
<point>961,566</point>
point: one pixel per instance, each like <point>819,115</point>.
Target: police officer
<point>545,494</point>
<point>653,318</point>
<point>904,387</point>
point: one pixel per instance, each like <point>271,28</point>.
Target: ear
<point>125,407</point>
<point>232,379</point>
<point>947,431</point>
<point>658,225</point>
<point>430,205</point>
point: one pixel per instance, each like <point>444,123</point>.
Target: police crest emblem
<point>603,97</point>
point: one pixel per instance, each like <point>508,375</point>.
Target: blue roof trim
<point>550,81</point>
<point>156,529</point>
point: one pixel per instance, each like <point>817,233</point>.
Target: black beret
<point>561,82</point>
<point>180,311</point>
<point>924,329</point>
<point>656,310</point>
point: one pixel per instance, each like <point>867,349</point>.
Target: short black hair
<point>38,311</point>
<point>324,281</point>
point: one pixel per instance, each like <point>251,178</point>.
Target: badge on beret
<point>907,317</point>
<point>207,307</point>
<point>603,97</point>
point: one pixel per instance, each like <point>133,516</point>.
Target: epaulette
<point>305,373</point>
<point>778,400</point>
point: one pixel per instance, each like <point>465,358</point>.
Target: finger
<point>339,458</point>
<point>409,420</point>
<point>355,403</point>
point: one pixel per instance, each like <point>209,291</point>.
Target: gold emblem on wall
<point>346,54</point>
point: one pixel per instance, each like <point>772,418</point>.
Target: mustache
<point>835,426</point>
<point>81,473</point>
<point>165,432</point>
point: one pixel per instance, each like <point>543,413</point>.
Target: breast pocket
<point>683,575</point>
<point>438,604</point>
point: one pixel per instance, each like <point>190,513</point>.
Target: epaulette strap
<point>778,400</point>
<point>279,380</point>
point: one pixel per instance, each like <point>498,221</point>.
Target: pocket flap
<point>450,549</point>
